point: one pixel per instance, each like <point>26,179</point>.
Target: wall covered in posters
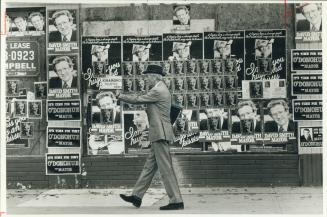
<point>211,74</point>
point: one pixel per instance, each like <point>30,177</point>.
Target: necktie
<point>65,85</point>
<point>64,38</point>
<point>281,130</point>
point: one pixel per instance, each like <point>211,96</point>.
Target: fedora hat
<point>154,69</point>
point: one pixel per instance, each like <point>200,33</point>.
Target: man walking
<point>161,134</point>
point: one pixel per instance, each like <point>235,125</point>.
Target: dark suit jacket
<point>56,82</point>
<point>304,26</point>
<point>56,36</point>
<point>272,126</point>
<point>236,127</point>
<point>96,118</point>
<point>158,100</point>
<point>303,139</point>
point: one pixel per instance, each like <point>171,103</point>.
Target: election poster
<point>13,133</point>
<point>227,50</point>
<point>265,54</point>
<point>308,22</point>
<point>22,57</point>
<point>64,137</point>
<point>247,123</point>
<point>63,164</point>
<point>136,131</point>
<point>306,60</point>
<point>264,89</point>
<point>34,109</point>
<point>63,110</point>
<point>142,48</point>
<point>181,18</point>
<point>186,131</point>
<point>310,136</point>
<point>41,90</point>
<point>63,77</point>
<point>279,127</point>
<point>182,47</point>
<point>214,125</point>
<point>25,22</point>
<point>307,109</point>
<point>101,58</point>
<point>63,30</point>
<point>306,84</point>
<point>12,88</point>
<point>104,122</point>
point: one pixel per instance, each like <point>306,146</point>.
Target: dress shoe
<point>136,201</point>
<point>173,206</point>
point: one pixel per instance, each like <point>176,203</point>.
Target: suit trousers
<point>159,158</point>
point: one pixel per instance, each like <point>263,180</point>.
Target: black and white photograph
<point>20,108</point>
<point>143,48</point>
<point>12,88</point>
<point>25,21</point>
<point>34,109</point>
<point>27,130</point>
<point>309,17</point>
<point>63,30</point>
<point>63,76</point>
<point>136,108</point>
<point>182,47</point>
<point>41,90</point>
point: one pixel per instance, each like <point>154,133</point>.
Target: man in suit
<point>279,111</point>
<point>312,13</point>
<point>63,21</point>
<point>158,100</point>
<point>63,66</point>
<point>37,20</point>
<point>306,136</point>
<point>247,113</point>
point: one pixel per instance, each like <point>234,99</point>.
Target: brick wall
<point>191,170</point>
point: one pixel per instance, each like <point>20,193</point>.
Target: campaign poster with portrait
<point>306,60</point>
<point>136,131</point>
<point>227,50</point>
<point>307,109</point>
<point>25,21</point>
<point>214,124</point>
<point>247,123</point>
<point>181,18</point>
<point>22,58</point>
<point>259,89</point>
<point>12,88</point>
<point>63,30</point>
<point>186,130</point>
<point>279,127</point>
<point>182,47</point>
<point>13,133</point>
<point>101,58</point>
<point>306,84</point>
<point>34,109</point>
<point>104,122</point>
<point>265,54</point>
<point>142,48</point>
<point>310,136</point>
<point>41,90</point>
<point>308,22</point>
<point>63,77</point>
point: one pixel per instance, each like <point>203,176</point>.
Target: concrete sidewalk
<point>224,200</point>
